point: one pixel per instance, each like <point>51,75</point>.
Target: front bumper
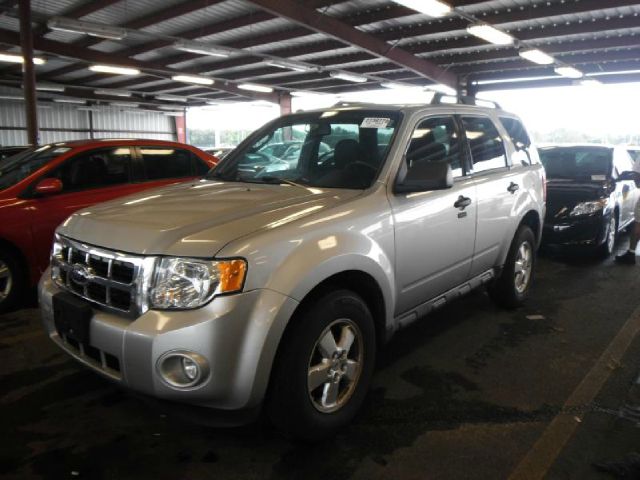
<point>238,335</point>
<point>588,231</point>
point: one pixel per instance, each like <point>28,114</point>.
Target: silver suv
<point>262,287</point>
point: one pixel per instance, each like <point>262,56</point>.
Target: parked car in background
<point>42,186</point>
<point>587,201</point>
<point>279,286</point>
<point>219,152</point>
<point>10,151</point>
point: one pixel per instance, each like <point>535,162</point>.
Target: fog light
<point>183,369</point>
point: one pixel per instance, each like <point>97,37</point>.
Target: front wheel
<point>606,249</point>
<point>511,289</point>
<point>12,280</point>
<point>324,367</point>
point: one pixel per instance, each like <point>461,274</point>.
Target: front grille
<point>104,277</point>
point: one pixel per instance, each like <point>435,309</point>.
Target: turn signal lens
<point>232,274</point>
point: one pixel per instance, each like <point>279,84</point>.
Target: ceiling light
<point>50,87</point>
<point>11,58</point>
<point>112,93</point>
<point>536,56</point>
<point>11,97</point>
<point>393,85</point>
<point>70,100</point>
<point>592,82</point>
<point>192,79</point>
<point>115,70</point>
<point>433,8</point>
<point>255,88</point>
<point>201,49</point>
<point>568,72</point>
<point>441,88</point>
<point>124,104</point>
<point>171,107</point>
<point>170,98</point>
<point>349,77</point>
<point>87,28</point>
<point>490,34</point>
<point>305,93</point>
<point>289,65</point>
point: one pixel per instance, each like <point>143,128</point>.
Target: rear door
<point>434,238</point>
<point>497,185</point>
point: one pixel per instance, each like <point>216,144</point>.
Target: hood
<point>195,219</point>
<point>564,194</point>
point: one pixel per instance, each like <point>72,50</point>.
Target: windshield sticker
<point>598,178</point>
<point>373,122</point>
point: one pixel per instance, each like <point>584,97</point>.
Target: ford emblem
<point>81,274</point>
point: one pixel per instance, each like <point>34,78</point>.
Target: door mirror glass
<point>630,175</point>
<point>424,176</point>
<point>49,186</point>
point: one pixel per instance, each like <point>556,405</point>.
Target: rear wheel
<point>511,289</point>
<point>12,280</point>
<point>324,368</point>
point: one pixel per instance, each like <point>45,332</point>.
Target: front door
<point>434,230</point>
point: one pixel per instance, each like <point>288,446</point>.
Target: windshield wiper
<point>272,179</point>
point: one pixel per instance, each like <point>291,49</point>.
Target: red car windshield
<point>18,167</point>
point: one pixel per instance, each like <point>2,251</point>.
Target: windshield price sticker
<point>598,178</point>
<point>373,122</point>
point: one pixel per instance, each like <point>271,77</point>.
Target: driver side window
<point>435,140</point>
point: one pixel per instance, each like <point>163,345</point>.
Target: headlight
<point>589,208</point>
<point>190,283</point>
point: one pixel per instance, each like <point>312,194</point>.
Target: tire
<point>512,287</point>
<point>302,401</point>
<point>606,249</point>
<point>12,280</point>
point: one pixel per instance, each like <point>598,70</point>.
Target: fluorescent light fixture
<point>124,104</point>
<point>11,97</point>
<point>393,85</point>
<point>349,77</point>
<point>591,82</point>
<point>290,65</point>
<point>70,100</point>
<point>255,88</point>
<point>441,88</point>
<point>114,70</point>
<point>11,58</point>
<point>536,56</point>
<point>171,107</point>
<point>86,28</point>
<point>192,79</point>
<point>201,49</point>
<point>568,72</point>
<point>306,93</point>
<point>49,87</point>
<point>433,8</point>
<point>490,34</point>
<point>170,98</point>
<point>112,93</point>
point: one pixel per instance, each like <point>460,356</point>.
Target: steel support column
<point>28,72</point>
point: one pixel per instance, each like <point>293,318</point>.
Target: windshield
<point>18,167</point>
<point>332,149</point>
<point>577,162</point>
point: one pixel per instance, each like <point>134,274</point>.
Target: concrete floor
<point>466,393</point>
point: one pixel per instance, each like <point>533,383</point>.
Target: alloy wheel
<point>523,267</point>
<point>6,281</point>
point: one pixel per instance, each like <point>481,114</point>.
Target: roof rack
<point>464,100</point>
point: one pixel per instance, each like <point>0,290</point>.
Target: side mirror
<point>48,186</point>
<point>426,176</point>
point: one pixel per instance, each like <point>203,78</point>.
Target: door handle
<point>462,202</point>
<point>513,187</point>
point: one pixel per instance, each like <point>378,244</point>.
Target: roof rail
<point>464,100</point>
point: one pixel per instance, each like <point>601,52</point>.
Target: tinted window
<point>18,167</point>
<point>519,138</point>
<point>487,148</point>
<point>635,154</point>
<point>577,162</point>
<point>435,140</point>
<point>166,162</point>
<point>94,169</point>
<point>200,167</point>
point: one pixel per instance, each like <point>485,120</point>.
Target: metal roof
<point>379,39</point>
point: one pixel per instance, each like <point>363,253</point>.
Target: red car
<point>41,187</point>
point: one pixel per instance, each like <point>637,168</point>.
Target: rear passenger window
<point>436,140</point>
<point>519,138</point>
<point>95,169</point>
<point>485,143</point>
<point>166,162</point>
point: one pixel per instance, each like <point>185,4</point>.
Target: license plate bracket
<point>72,317</point>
